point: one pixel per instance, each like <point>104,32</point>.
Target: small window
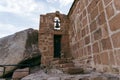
<point>56,23</point>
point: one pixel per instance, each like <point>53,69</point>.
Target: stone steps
<point>67,66</point>
<point>65,62</point>
<point>64,65</point>
<point>61,61</point>
<point>73,70</point>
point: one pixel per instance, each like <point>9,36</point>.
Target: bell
<point>57,24</point>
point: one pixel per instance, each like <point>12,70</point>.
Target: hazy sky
<point>17,15</point>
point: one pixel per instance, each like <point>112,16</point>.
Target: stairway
<point>66,65</point>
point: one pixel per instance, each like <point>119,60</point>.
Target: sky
<point>17,15</point>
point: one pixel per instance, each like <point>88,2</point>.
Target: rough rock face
<point>57,75</point>
<point>18,47</point>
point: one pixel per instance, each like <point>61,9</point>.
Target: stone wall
<point>46,36</point>
<point>95,33</point>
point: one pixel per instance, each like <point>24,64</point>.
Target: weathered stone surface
<point>93,26</point>
<point>55,71</point>
<point>98,34</point>
<point>104,31</point>
<point>107,1</point>
<point>115,23</point>
<point>40,75</point>
<point>105,59</point>
<point>87,40</point>
<point>115,39</point>
<point>100,6</point>
<point>18,47</point>
<point>54,78</point>
<point>117,2</point>
<point>110,11</point>
<point>20,73</point>
<point>101,18</point>
<point>106,44</point>
<point>94,13</point>
<point>96,48</point>
<point>98,78</point>
<point>74,70</point>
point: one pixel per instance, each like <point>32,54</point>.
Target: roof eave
<point>72,7</point>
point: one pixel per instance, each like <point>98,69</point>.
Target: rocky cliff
<point>17,48</point>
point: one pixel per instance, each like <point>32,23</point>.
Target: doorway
<point>57,46</point>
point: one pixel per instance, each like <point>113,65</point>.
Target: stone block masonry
<point>46,37</point>
<point>90,34</point>
<point>94,31</point>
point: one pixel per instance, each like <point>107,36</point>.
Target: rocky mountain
<point>17,48</point>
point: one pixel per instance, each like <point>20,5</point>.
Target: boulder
<point>17,48</point>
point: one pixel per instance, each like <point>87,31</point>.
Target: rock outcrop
<point>57,75</point>
<point>17,48</point>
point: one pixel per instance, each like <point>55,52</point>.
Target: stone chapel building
<point>89,34</point>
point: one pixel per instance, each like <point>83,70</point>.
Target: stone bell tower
<point>53,36</point>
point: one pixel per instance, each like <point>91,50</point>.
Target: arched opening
<point>56,23</point>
